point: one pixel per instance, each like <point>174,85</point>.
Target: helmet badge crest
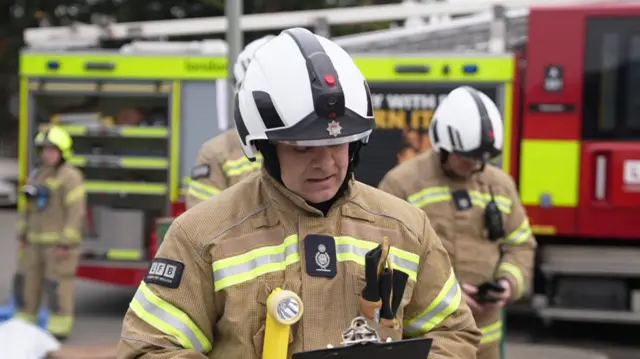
<point>334,128</point>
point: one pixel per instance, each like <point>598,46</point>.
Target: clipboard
<point>418,348</point>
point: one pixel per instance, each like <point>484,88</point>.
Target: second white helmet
<point>245,57</point>
<point>468,123</point>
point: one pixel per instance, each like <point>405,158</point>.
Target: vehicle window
<point>632,113</point>
<point>609,82</point>
<point>611,103</point>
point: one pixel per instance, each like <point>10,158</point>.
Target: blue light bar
<point>53,65</point>
<point>470,69</point>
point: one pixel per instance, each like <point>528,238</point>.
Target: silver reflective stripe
<point>491,333</point>
<point>398,262</point>
<point>253,263</point>
<point>438,313</point>
<point>403,263</point>
<point>520,235</point>
<point>240,168</point>
<point>203,189</point>
<point>199,192</point>
<point>427,195</point>
<point>505,204</point>
<point>482,199</point>
<point>170,319</point>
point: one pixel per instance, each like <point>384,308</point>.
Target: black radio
<point>493,219</point>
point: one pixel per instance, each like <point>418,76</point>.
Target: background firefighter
<point>221,162</point>
<point>473,206</point>
<point>50,232</point>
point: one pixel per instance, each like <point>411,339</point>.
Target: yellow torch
<point>284,308</point>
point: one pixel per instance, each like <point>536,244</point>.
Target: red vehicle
<point>578,167</point>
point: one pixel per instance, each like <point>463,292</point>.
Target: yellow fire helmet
<point>55,136</point>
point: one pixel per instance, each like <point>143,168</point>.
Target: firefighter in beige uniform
<point>221,259</point>
<point>473,206</point>
<point>50,233</point>
<point>221,162</point>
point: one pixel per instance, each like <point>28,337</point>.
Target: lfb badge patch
<point>164,272</point>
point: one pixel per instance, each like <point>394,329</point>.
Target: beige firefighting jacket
<point>231,250</point>
<point>422,182</point>
<point>61,221</point>
<point>221,164</point>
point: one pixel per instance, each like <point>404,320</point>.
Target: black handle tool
<point>399,285</point>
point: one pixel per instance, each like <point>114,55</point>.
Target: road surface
<point>100,309</point>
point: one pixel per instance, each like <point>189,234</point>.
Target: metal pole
<point>321,27</point>
<point>498,30</point>
<point>233,11</point>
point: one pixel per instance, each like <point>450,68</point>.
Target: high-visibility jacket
<point>455,208</point>
<point>205,293</point>
<point>57,214</point>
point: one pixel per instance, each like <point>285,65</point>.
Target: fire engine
<point>572,143</point>
<point>562,76</point>
<point>579,159</point>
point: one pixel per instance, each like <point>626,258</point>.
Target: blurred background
<point>564,73</point>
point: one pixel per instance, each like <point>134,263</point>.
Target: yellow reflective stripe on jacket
<point>124,254</point>
<point>482,199</point>
<point>52,182</point>
<point>74,195</point>
<point>240,166</point>
<point>520,235</point>
<point>491,333</point>
<point>353,249</point>
<point>516,273</point>
<point>242,268</point>
<point>201,190</point>
<point>44,237</point>
<point>168,319</point>
<point>71,233</point>
<point>430,195</point>
<point>445,304</point>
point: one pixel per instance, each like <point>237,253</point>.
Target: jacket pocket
<point>258,341</point>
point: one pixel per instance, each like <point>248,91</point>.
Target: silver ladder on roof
<point>496,31</point>
<point>499,30</point>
